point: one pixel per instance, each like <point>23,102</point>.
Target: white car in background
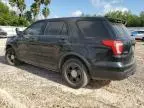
<point>3,34</point>
<point>138,35</point>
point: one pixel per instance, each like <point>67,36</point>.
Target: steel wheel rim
<point>70,70</point>
<point>11,57</point>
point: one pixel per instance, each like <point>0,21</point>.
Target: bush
<point>8,17</point>
<point>132,20</point>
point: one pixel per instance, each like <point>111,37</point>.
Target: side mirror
<point>18,32</point>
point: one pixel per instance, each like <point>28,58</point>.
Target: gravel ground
<point>27,86</point>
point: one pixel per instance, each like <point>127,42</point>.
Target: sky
<point>66,8</point>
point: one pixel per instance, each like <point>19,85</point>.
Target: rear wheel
<point>75,73</point>
<point>11,57</point>
<point>143,39</point>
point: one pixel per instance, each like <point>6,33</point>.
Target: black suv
<point>81,48</point>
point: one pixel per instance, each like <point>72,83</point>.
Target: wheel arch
<point>77,56</point>
<point>8,46</point>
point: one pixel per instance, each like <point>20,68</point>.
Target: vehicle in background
<point>81,48</point>
<point>139,35</point>
<point>3,34</point>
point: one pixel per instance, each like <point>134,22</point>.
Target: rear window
<point>93,29</point>
<point>121,30</point>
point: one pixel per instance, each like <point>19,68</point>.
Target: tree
<point>45,12</point>
<point>45,2</point>
<point>35,8</point>
<point>28,16</point>
<point>4,14</point>
<point>8,17</point>
<point>117,14</point>
<point>20,4</point>
<point>132,20</point>
<point>3,8</point>
<point>142,18</point>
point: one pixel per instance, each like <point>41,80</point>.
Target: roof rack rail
<point>117,20</point>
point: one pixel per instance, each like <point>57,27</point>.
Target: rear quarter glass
<point>121,31</point>
<point>95,29</point>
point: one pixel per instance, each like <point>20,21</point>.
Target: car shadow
<point>51,75</point>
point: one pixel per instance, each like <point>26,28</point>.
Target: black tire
<point>11,57</point>
<point>143,39</point>
<point>75,73</point>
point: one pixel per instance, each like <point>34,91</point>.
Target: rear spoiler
<point>116,20</point>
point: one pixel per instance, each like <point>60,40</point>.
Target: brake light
<point>116,46</point>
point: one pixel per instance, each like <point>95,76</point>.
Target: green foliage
<point>45,2</point>
<point>24,18</point>
<point>3,8</point>
<point>8,17</point>
<point>142,18</point>
<point>20,4</point>
<point>28,16</point>
<point>132,20</point>
<point>35,8</point>
<point>45,12</point>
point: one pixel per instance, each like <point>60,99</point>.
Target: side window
<point>35,29</point>
<point>56,28</point>
<point>94,29</point>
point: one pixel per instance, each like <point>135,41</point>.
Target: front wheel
<point>11,57</point>
<point>143,39</point>
<point>75,73</point>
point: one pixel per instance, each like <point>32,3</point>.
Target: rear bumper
<point>112,70</point>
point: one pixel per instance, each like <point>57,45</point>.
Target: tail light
<point>116,46</point>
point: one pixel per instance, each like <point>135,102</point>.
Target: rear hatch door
<point>123,35</point>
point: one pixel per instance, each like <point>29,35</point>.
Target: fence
<point>11,29</point>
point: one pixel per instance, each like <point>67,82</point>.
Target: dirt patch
<point>33,87</point>
<point>7,101</point>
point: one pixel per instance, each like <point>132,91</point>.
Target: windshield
<point>121,30</point>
